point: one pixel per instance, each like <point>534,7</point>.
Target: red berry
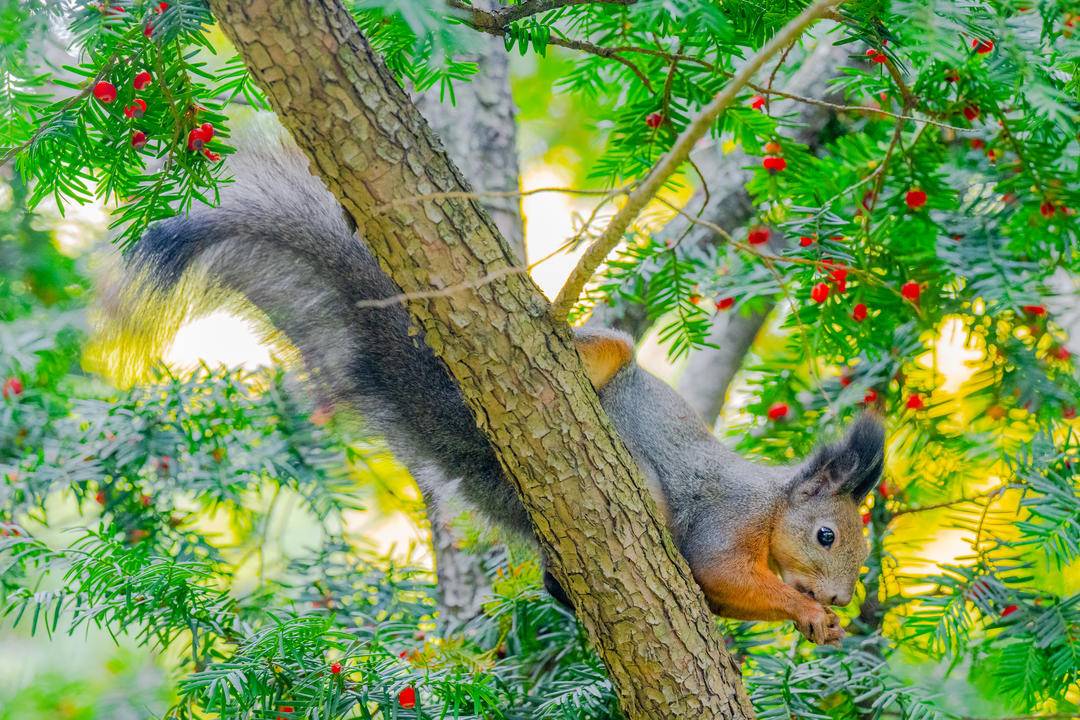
<point>141,80</point>
<point>13,387</point>
<point>977,144</point>
<point>1034,309</point>
<point>838,274</point>
<point>211,155</point>
<point>654,120</point>
<point>197,138</point>
<point>866,519</point>
<point>407,698</point>
<point>859,312</point>
<point>758,236</point>
<point>777,410</point>
<point>844,381</point>
<point>99,497</point>
<point>105,92</point>
<point>915,198</point>
<point>335,668</point>
<point>806,241</point>
<point>1047,209</point>
<point>820,292</point>
<point>774,164</point>
<point>162,7</point>
<point>285,708</point>
<point>208,131</point>
<point>1068,412</point>
<point>148,31</point>
<point>883,489</point>
<point>136,109</point>
<point>911,291</point>
<point>138,139</point>
<point>145,500</point>
<point>982,46</point>
<point>952,76</point>
<point>695,299</point>
<point>1009,610</point>
<point>724,303</point>
<point>971,112</point>
<point>1062,353</point>
<point>757,102</point>
<point>773,148</point>
<point>870,396</point>
<point>915,402</point>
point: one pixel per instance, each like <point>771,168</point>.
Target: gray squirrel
<point>763,542</point>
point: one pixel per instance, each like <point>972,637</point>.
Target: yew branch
<point>679,153</point>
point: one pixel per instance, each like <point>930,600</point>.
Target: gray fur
<point>281,240</point>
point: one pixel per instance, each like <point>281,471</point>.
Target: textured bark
<point>729,204</point>
<point>480,135</point>
<point>517,368</point>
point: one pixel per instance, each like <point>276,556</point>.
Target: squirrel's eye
<point>826,536</point>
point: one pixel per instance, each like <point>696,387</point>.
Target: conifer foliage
<point>938,215</point>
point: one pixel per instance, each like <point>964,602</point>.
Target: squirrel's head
<point>817,542</point>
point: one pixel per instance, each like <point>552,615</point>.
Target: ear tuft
<point>862,457</point>
<point>850,467</point>
<point>603,353</point>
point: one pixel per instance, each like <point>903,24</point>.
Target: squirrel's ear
<point>604,353</point>
<point>850,467</point>
<point>862,457</point>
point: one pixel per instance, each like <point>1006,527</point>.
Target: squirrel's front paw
<point>820,625</point>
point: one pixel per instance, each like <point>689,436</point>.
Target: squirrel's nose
<point>840,600</point>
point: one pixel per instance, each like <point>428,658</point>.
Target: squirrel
<point>763,542</point>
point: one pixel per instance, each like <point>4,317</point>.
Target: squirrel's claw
<point>821,626</point>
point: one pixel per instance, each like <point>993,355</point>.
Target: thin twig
<point>865,109</point>
<point>674,158</point>
<point>507,14</point>
<point>481,194</point>
<point>950,503</point>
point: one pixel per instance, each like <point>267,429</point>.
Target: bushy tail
<point>279,248</point>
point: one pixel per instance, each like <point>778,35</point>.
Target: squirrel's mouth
<point>805,590</point>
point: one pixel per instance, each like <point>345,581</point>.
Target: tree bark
<point>480,135</point>
<point>517,368</point>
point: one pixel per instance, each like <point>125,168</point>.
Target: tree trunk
<point>517,368</point>
<point>480,135</point>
